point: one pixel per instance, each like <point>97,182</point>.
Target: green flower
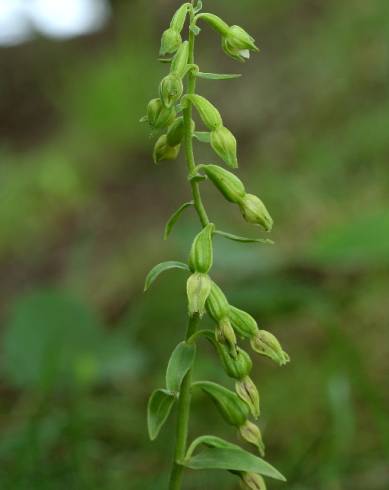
<point>237,43</point>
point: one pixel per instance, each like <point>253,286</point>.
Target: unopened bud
<point>237,43</point>
<point>198,288</point>
<point>238,367</point>
<point>159,116</point>
<point>179,17</point>
<point>251,434</point>
<point>248,392</point>
<point>201,254</point>
<point>225,335</point>
<point>217,304</point>
<point>266,343</point>
<point>170,42</point>
<point>243,323</point>
<point>252,481</point>
<point>180,60</point>
<point>170,89</point>
<point>228,184</point>
<point>175,132</point>
<point>215,22</point>
<point>163,151</point>
<point>255,212</point>
<point>223,143</point>
<point>209,114</point>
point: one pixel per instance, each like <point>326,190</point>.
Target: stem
<point>185,392</point>
<point>183,417</point>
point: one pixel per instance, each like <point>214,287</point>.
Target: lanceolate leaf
<point>158,410</point>
<point>217,76</point>
<point>243,239</point>
<point>180,362</point>
<point>210,441</point>
<point>202,136</point>
<point>174,218</point>
<point>162,267</point>
<point>232,459</point>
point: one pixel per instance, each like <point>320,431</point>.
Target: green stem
<point>185,391</point>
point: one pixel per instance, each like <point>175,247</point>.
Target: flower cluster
<point>170,115</point>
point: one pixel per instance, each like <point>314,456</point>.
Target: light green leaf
<point>217,76</point>
<point>198,7</point>
<point>210,441</point>
<point>180,362</point>
<point>243,239</point>
<point>202,136</point>
<point>195,29</point>
<point>232,459</point>
<point>165,60</point>
<point>174,218</point>
<point>162,267</point>
<point>158,410</point>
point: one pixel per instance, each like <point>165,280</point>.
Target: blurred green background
<point>81,223</point>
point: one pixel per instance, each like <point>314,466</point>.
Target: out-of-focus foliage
<point>83,211</point>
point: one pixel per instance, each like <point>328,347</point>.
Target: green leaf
<point>217,76</point>
<point>143,119</point>
<point>243,239</point>
<point>232,459</point>
<point>195,29</point>
<point>180,362</point>
<point>198,7</point>
<point>165,60</point>
<point>210,441</point>
<point>162,267</point>
<point>174,218</point>
<point>202,136</point>
<point>158,410</point>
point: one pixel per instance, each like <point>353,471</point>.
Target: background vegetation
<point>81,222</point>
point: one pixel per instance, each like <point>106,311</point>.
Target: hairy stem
<point>185,392</point>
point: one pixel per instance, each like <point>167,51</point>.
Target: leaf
<point>232,459</point>
<point>202,136</point>
<point>179,364</point>
<point>162,267</point>
<point>158,410</point>
<point>174,218</point>
<point>165,60</point>
<point>217,76</point>
<point>211,441</point>
<point>198,7</point>
<point>243,239</point>
<point>143,119</point>
<point>195,29</point>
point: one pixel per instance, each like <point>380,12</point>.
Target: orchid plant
<point>171,114</point>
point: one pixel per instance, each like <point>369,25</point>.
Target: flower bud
<point>217,304</point>
<point>252,481</point>
<point>163,151</point>
<point>201,254</point>
<point>198,288</point>
<point>228,184</point>
<point>243,323</point>
<point>179,17</point>
<point>215,22</point>
<point>225,335</point>
<point>238,367</point>
<point>170,42</point>
<point>170,89</point>
<point>251,434</point>
<point>159,116</point>
<point>266,343</point>
<point>175,132</point>
<point>209,114</point>
<point>255,212</point>
<point>223,143</point>
<point>248,392</point>
<point>237,43</point>
<point>232,408</point>
<point>180,60</point>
